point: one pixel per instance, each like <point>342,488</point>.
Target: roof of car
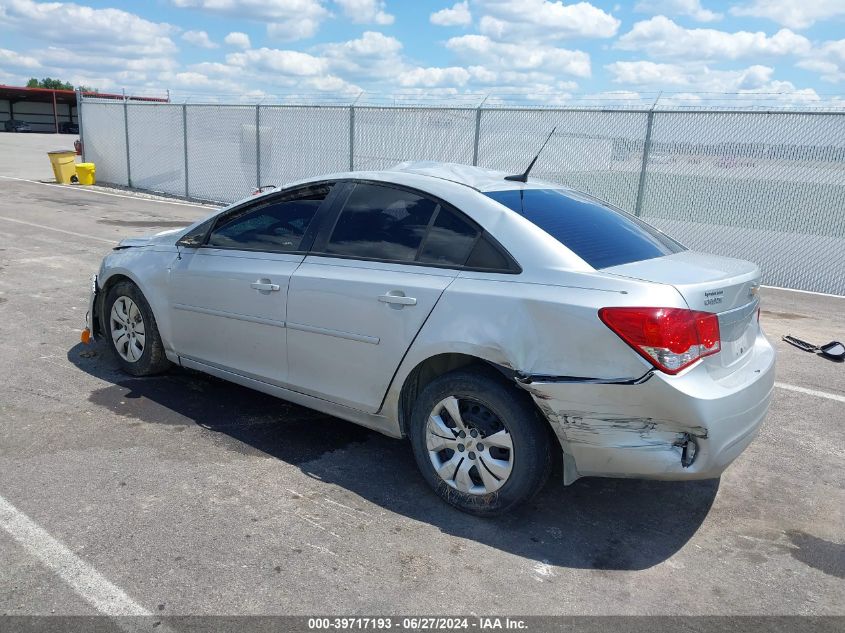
<point>478,178</point>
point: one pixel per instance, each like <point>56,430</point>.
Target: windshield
<point>598,234</point>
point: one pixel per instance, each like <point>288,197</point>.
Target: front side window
<point>597,233</point>
<point>381,223</point>
<point>275,225</point>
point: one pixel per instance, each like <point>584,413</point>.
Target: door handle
<point>264,286</point>
<point>397,299</point>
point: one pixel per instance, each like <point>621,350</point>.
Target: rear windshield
<point>598,234</point>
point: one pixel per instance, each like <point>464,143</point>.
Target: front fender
<point>149,269</point>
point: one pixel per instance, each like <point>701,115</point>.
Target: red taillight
<point>671,339</point>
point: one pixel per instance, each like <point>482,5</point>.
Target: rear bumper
<point>640,430</point>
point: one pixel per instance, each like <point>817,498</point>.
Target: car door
<point>358,300</point>
<point>228,295</point>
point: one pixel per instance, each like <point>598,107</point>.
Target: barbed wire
<point>697,100</point>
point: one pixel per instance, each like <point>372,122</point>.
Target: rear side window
<point>487,256</point>
<point>381,223</point>
<point>449,240</point>
<point>277,225</point>
<point>598,234</point>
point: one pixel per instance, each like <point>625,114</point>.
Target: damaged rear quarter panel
<point>593,422</point>
<point>545,324</point>
<point>638,430</point>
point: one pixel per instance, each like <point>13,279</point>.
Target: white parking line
<point>209,206</point>
<point>805,292</point>
<point>86,581</point>
<point>811,392</point>
<point>52,228</point>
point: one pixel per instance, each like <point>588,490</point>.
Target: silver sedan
<point>498,324</point>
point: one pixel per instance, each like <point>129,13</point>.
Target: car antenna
<point>523,177</point>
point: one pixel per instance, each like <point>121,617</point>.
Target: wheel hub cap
<point>127,329</point>
<point>470,448</point>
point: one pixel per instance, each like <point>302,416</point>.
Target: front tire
<point>131,330</point>
<point>479,442</point>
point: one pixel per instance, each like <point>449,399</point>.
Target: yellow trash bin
<point>63,162</point>
<point>85,173</point>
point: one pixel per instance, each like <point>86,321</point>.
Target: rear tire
<point>131,331</point>
<point>479,442</point>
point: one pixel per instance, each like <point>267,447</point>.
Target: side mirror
<point>833,350</point>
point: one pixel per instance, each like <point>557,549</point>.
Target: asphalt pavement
<point>183,494</point>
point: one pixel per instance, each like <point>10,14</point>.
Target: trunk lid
<point>709,283</point>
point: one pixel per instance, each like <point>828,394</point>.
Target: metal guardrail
<point>768,186</point>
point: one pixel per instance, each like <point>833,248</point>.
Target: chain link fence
<point>763,186</point>
<point>156,137</point>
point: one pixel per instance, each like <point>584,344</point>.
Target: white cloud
<point>328,68</point>
<point>372,56</point>
<point>365,11</point>
<point>458,15</point>
<point>691,8</point>
<point>238,39</point>
<point>751,81</point>
<point>198,38</point>
<point>828,71</point>
<point>331,83</point>
<point>543,20</point>
<point>278,61</point>
<point>371,43</point>
<point>796,14</point>
<point>543,94</point>
<point>625,97</point>
<point>11,79</point>
<point>453,77</point>
<point>661,37</point>
<point>291,30</point>
<point>431,77</point>
<point>286,19</point>
<point>517,80</point>
<point>108,31</point>
<point>192,80</point>
<point>217,69</point>
<point>515,51</point>
<point>503,55</point>
<point>828,61</point>
<point>112,48</point>
<point>272,10</point>
<point>15,61</point>
<point>61,57</point>
<point>645,73</point>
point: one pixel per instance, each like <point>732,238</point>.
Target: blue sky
<point>536,51</point>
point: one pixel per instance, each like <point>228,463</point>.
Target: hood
<point>163,237</point>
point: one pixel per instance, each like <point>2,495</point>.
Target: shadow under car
<point>609,524</point>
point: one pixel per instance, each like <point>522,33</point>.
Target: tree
<point>49,82</point>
